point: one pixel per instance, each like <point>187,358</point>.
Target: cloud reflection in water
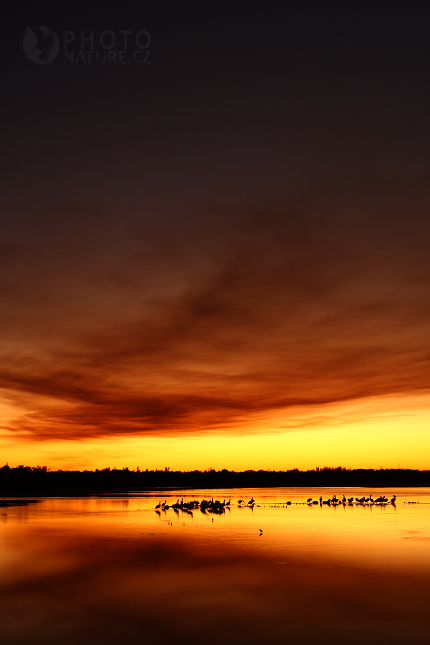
<point>155,589</point>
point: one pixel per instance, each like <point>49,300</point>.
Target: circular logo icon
<point>39,45</point>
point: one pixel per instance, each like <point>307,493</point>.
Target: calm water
<point>111,570</point>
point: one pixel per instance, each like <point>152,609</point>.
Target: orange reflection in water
<point>112,570</point>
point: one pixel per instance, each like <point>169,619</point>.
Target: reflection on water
<point>111,569</point>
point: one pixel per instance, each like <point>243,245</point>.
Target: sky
<point>214,236</point>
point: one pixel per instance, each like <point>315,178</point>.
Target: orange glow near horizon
<point>390,432</point>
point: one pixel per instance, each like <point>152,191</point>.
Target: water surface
<point>110,569</point>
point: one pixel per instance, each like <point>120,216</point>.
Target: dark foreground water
<point>113,570</point>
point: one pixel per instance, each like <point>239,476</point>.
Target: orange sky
<point>226,269</point>
<point>388,433</point>
<point>279,322</point>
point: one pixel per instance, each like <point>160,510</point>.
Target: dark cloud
<point>198,317</point>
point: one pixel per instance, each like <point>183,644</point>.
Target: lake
<point>111,569</point>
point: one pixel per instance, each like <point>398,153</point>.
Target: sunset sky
<point>220,258</point>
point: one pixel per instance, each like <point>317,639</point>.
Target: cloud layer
<point>195,317</point>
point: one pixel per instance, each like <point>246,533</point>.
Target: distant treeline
<point>40,480</point>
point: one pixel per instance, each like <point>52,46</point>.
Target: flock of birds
<point>335,501</point>
<point>216,506</point>
<point>205,506</point>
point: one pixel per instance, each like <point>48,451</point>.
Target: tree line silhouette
<point>39,480</point>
